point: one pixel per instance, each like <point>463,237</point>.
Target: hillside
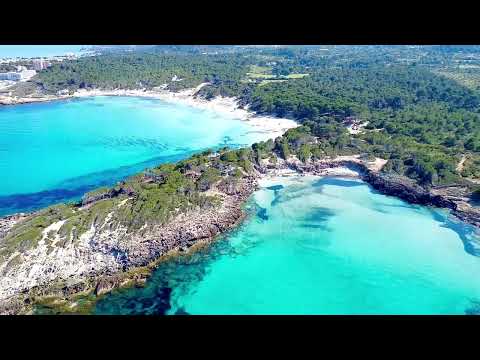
<point>416,112</point>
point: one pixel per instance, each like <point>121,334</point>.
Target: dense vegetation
<point>156,195</point>
<point>422,115</point>
<point>152,197</point>
<point>417,119</point>
<point>133,71</point>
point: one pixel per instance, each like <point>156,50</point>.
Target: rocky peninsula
<point>66,256</point>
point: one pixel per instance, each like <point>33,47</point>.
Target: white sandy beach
<point>332,171</point>
<point>227,106</point>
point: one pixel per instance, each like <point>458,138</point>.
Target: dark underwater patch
<point>335,181</point>
<point>474,309</point>
<point>380,209</point>
<point>316,226</point>
<point>437,216</point>
<point>466,232</point>
<point>262,214</point>
<point>275,187</point>
<point>181,311</point>
<point>276,193</point>
<point>317,218</point>
<point>116,142</point>
<point>319,214</point>
<point>29,202</point>
<point>73,189</point>
<point>156,303</point>
<point>227,139</point>
<point>292,193</point>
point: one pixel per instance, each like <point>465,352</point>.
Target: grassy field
<point>469,77</point>
<point>268,81</point>
<point>259,72</point>
<point>294,76</point>
<point>264,74</point>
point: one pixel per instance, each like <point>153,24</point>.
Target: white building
<point>18,76</point>
<point>40,64</point>
<point>14,76</point>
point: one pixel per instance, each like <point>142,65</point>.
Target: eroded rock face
<point>7,222</point>
<point>92,262</point>
<point>103,287</point>
<point>405,189</point>
<point>105,250</point>
<point>467,213</point>
<point>107,194</point>
<point>181,232</point>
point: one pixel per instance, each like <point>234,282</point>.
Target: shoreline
<point>184,234</point>
<point>98,270</point>
<point>180,235</point>
<point>226,106</point>
<point>92,266</point>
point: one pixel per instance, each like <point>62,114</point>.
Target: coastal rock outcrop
<point>62,267</point>
<point>451,197</point>
<point>90,261</point>
<point>405,189</point>
<point>7,222</point>
<point>107,194</point>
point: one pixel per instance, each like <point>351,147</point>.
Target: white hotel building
<point>18,76</point>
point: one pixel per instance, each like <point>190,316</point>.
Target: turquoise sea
<point>309,246</point>
<point>56,151</point>
<point>319,246</point>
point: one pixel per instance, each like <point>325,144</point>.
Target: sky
<point>29,51</point>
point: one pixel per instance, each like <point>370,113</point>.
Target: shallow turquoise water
<point>329,246</point>
<point>54,152</point>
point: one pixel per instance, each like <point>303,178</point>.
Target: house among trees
<point>352,122</point>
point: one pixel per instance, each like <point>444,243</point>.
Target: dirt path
<point>460,165</point>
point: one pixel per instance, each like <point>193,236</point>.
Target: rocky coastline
<point>108,257</point>
<point>454,197</point>
<point>111,257</point>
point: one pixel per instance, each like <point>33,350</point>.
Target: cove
<point>319,246</point>
<point>55,152</point>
